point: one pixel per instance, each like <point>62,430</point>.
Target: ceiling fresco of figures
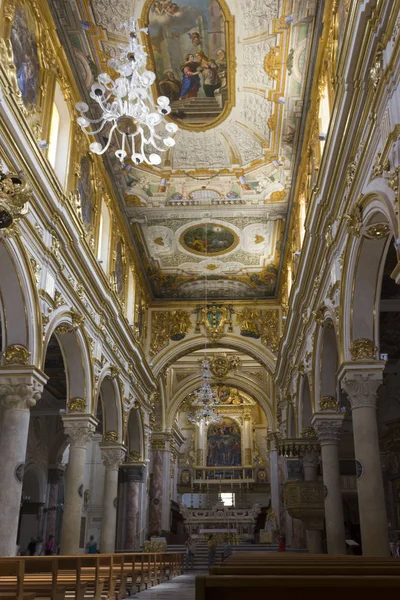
<point>235,73</point>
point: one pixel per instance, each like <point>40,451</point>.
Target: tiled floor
<point>179,588</point>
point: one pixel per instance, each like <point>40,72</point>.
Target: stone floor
<point>179,588</point>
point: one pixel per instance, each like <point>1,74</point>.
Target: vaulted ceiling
<point>217,207</point>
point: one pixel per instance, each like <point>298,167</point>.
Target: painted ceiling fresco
<point>235,70</point>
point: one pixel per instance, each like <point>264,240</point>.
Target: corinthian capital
<point>328,428</point>
<point>113,457</point>
<point>21,393</point>
<point>79,431</point>
<point>361,391</point>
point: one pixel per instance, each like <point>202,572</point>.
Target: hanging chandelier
<point>126,104</point>
<point>203,414</point>
<point>203,406</point>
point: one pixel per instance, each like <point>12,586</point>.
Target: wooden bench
<point>312,575</point>
<point>312,587</point>
<point>96,576</point>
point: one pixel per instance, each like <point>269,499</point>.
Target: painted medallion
<point>208,239</point>
<point>189,46</point>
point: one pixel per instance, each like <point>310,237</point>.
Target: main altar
<point>221,519</point>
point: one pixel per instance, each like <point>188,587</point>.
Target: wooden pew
<point>96,576</point>
<point>313,587</point>
<point>18,584</point>
<point>313,575</point>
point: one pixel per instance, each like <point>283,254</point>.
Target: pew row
<point>313,576</point>
<point>99,576</point>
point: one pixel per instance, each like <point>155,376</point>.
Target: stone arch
<point>135,434</point>
<point>109,394</point>
<point>326,363</point>
<point>76,354</point>
<point>242,345</point>
<point>19,301</point>
<point>250,388</point>
<point>365,259</point>
<point>305,404</point>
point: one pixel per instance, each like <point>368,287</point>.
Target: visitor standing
<point>32,547</point>
<point>50,546</point>
<point>227,550</point>
<point>212,550</point>
<point>281,543</point>
<point>190,551</point>
<point>91,546</point>
<point>39,547</point>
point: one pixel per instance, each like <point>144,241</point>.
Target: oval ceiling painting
<point>208,239</point>
<point>189,44</point>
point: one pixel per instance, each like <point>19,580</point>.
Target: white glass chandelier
<point>127,107</point>
<point>203,407</point>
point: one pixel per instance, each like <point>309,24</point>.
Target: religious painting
<point>208,239</point>
<point>85,190</point>
<point>119,269</point>
<point>188,40</point>
<point>224,444</point>
<point>26,61</point>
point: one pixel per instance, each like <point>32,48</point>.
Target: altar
<point>221,518</point>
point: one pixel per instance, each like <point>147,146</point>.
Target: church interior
<point>199,297</point>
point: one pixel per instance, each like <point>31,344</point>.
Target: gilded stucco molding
<point>363,349</point>
<point>16,354</point>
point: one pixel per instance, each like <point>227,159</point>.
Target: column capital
<point>327,427</point>
<point>112,456</point>
<point>79,430</point>
<point>273,438</point>
<point>361,388</point>
<point>20,389</point>
<point>310,458</point>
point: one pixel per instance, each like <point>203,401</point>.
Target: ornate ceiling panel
<point>235,74</point>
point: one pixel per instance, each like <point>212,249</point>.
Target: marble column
<point>328,426</point>
<point>274,475</point>
<point>247,439</point>
<point>112,457</point>
<point>361,388</point>
<point>156,492</point>
<point>18,393</point>
<point>313,533</point>
<point>132,509</point>
<point>79,431</point>
<point>54,478</point>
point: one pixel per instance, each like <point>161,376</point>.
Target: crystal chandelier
<point>203,407</point>
<point>127,107</point>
